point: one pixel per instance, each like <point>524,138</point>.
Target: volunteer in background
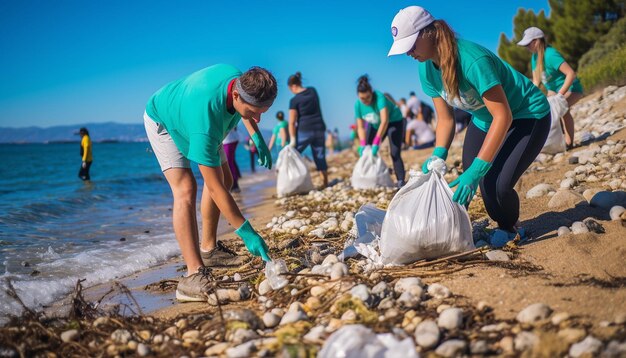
<point>385,119</point>
<point>511,117</point>
<point>419,135</point>
<point>306,125</point>
<point>230,143</point>
<point>551,69</point>
<point>414,105</point>
<point>280,133</point>
<point>187,120</point>
<point>85,154</point>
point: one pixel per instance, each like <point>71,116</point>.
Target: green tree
<point>578,24</point>
<point>572,28</point>
<point>508,50</point>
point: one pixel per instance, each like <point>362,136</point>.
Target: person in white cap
<point>551,69</point>
<point>511,117</point>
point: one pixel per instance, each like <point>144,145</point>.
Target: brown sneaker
<point>196,287</point>
<point>222,256</point>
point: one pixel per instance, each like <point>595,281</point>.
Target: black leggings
<point>521,146</point>
<point>395,130</point>
<point>83,173</point>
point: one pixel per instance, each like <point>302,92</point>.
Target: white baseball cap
<point>530,34</point>
<point>406,26</point>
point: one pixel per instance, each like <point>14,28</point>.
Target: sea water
<point>56,229</point>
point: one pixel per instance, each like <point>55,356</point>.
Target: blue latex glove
<point>254,242</point>
<point>265,156</point>
<point>375,150</point>
<point>469,180</point>
<point>439,152</point>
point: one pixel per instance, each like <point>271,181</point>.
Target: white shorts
<point>163,146</point>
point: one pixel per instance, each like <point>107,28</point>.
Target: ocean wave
<point>59,275</point>
<point>48,209</point>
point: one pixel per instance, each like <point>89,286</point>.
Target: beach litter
<point>334,302</point>
<point>370,171</point>
<point>292,173</point>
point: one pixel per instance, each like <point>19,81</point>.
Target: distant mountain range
<point>99,132</point>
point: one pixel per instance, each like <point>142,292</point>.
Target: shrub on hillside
<point>608,70</point>
<point>609,42</point>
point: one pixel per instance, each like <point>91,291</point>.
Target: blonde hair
<point>445,41</point>
<point>540,64</point>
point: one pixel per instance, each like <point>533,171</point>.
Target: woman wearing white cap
<point>511,117</point>
<point>551,69</point>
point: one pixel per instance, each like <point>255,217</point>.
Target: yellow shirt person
<point>85,153</point>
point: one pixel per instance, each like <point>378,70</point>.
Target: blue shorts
<point>316,140</point>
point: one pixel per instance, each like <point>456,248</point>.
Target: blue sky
<point>72,62</point>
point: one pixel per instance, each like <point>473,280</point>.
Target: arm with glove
<point>265,155</point>
<point>382,129</point>
<point>497,104</point>
<point>214,182</point>
<point>444,133</point>
<point>293,117</point>
<point>361,134</point>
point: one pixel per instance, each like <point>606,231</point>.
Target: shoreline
<point>540,297</point>
<point>253,199</point>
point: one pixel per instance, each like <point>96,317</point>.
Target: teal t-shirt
<point>552,77</point>
<point>480,70</point>
<point>193,110</point>
<point>276,132</point>
<point>371,113</point>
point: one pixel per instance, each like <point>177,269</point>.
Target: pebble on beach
<point>427,334</point>
<point>589,346</point>
<point>534,313</point>
<point>451,318</point>
<point>69,335</point>
<point>616,212</point>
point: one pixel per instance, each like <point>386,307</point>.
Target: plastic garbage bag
<point>369,218</point>
<point>423,222</point>
<point>370,171</point>
<point>357,341</point>
<point>273,270</point>
<point>368,222</point>
<point>556,140</point>
<point>293,176</point>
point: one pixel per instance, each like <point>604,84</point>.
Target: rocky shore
<point>561,292</point>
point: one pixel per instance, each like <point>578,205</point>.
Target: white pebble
<point>451,348</point>
<point>616,212</point>
<point>427,334</point>
<point>404,284</point>
<point>437,290</point>
<point>264,287</point>
<point>579,227</point>
<point>589,346</point>
<point>533,313</point>
<point>270,320</point>
<point>525,341</point>
<point>69,336</point>
<point>451,318</point>
<point>563,230</point>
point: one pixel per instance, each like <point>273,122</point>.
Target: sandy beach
<point>579,277</point>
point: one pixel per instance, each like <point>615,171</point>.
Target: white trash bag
<point>357,341</point>
<point>370,172</point>
<point>423,222</point>
<point>293,176</point>
<point>556,140</point>
<point>369,222</point>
